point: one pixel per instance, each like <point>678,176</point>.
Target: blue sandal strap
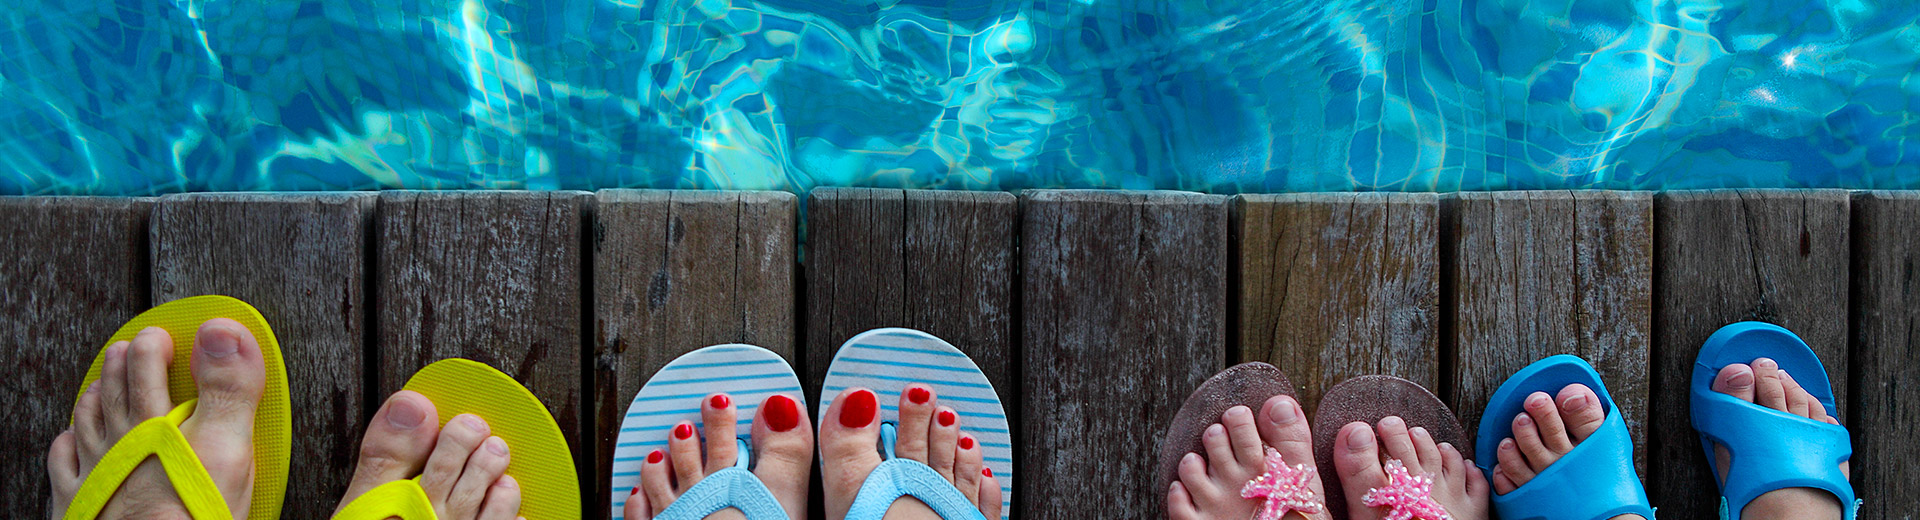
<point>1771,449</point>
<point>734,487</point>
<point>897,477</point>
<point>1594,481</point>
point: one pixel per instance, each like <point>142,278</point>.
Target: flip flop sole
<point>1368,399</point>
<point>747,373</point>
<point>887,360</point>
<point>1245,384</point>
<point>541,463</point>
<point>272,423</point>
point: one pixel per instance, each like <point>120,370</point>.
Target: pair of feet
<point>461,466</point>
<point>1210,486</point>
<point>783,448</point>
<point>1552,425</point>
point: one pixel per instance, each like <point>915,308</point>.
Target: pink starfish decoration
<point>1409,496</point>
<point>1286,488</point>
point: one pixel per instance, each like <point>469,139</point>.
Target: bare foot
<point>1764,383</point>
<point>782,456</point>
<point>1210,485</point>
<point>928,433</point>
<point>1547,430</point>
<point>230,374</point>
<point>1359,456</point>
<point>462,466</point>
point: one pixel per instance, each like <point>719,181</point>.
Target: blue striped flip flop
<point>887,360</point>
<point>750,375</point>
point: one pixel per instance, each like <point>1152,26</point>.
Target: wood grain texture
<point>937,261</point>
<point>301,260</point>
<point>1886,359</point>
<point>1539,273</point>
<point>1124,313</point>
<point>75,270</point>
<point>490,276</point>
<point>1336,285</point>
<point>1778,256</point>
<point>675,271</point>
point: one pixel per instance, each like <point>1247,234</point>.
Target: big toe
<point>1283,426</point>
<point>1735,380</point>
<point>230,374</point>
<point>783,445</point>
<point>1356,458</point>
<point>397,443</point>
<point>1580,410</point>
<point>848,437</point>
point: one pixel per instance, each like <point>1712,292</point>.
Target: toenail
<point>683,432</point>
<point>405,415</point>
<point>986,472</point>
<point>918,395</point>
<point>1419,432</point>
<point>1360,439</point>
<point>636,491</point>
<point>1238,411</point>
<point>1536,400</point>
<point>656,457</point>
<point>221,344</point>
<point>1765,363</point>
<point>859,410</point>
<point>946,418</point>
<point>474,422</point>
<point>966,442</point>
<point>1740,379</point>
<point>497,446</point>
<point>782,413</point>
<point>1575,403</point>
<point>1522,421</point>
<point>1392,420</point>
<point>1506,444</point>
<point>1284,412</point>
<point>720,401</point>
<point>1216,430</point>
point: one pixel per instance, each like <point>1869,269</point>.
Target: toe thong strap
<point>403,499</point>
<point>159,438</point>
<point>734,487</point>
<point>1771,450</point>
<point>899,477</point>
<point>1406,496</point>
<point>1592,482</point>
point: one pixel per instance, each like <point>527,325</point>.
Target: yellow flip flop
<point>541,462</point>
<point>160,437</point>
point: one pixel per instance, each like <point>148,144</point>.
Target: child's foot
<point>230,374</point>
<point>461,466</point>
<point>1764,383</point>
<point>782,456</point>
<point>1360,454</point>
<point>1548,429</point>
<point>1210,486</point>
<point>928,433</point>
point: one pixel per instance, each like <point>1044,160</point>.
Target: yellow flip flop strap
<point>400,498</point>
<point>158,437</point>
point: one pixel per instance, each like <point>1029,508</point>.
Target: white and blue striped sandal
<point>748,374</point>
<point>886,361</point>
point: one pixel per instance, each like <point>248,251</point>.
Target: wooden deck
<point>1094,313</point>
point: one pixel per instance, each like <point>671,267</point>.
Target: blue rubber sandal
<point>1594,481</point>
<point>1771,449</point>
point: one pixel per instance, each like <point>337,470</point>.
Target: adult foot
<point>782,456</point>
<point>462,466</point>
<point>928,433</point>
<point>1547,429</point>
<point>230,374</point>
<point>1765,384</point>
<point>1210,485</point>
<point>1360,456</point>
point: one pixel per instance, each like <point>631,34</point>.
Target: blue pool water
<point>159,96</point>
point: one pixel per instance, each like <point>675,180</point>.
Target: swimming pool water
<point>157,96</point>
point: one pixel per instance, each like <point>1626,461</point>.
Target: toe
<point>1514,465</point>
<point>848,433</point>
<point>941,441</point>
<point>916,418</point>
<point>1502,484</point>
<point>990,498</point>
<point>1799,402</point>
<point>718,419</point>
<point>1244,438</point>
<point>636,508</point>
<point>397,443</point>
<point>63,470</point>
<point>1526,437</point>
<point>783,449</point>
<point>1580,410</point>
<point>967,464</point>
<point>1398,441</point>
<point>484,468</point>
<point>1428,451</point>
<point>1767,389</point>
<point>456,443</point>
<point>1546,418</point>
<point>1735,380</point>
<point>1284,426</point>
<point>683,447</point>
<point>1192,470</point>
<point>656,483</point>
<point>1220,460</point>
<point>1180,504</point>
<point>503,500</point>
<point>89,428</point>
<point>113,391</point>
<point>148,357</point>
<point>1356,458</point>
<point>230,374</point>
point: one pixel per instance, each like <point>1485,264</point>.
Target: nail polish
<point>720,401</point>
<point>780,413</point>
<point>683,432</point>
<point>636,491</point>
<point>966,443</point>
<point>919,395</point>
<point>946,418</point>
<point>860,408</point>
<point>655,458</point>
<point>986,472</point>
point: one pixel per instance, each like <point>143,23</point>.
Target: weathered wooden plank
<point>1336,285</point>
<point>675,271</point>
<point>75,270</point>
<point>1540,273</point>
<point>937,261</point>
<point>1886,359</point>
<point>301,260</point>
<point>1778,256</point>
<point>490,276</point>
<point>1124,314</point>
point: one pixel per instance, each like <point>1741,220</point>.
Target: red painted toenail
<point>720,401</point>
<point>859,409</point>
<point>781,413</point>
<point>683,432</point>
<point>986,472</point>
<point>636,491</point>
<point>918,395</point>
<point>946,418</point>
<point>654,458</point>
<point>966,443</point>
